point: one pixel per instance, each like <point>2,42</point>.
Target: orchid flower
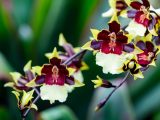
<point>20,81</point>
<point>56,80</point>
<point>143,18</point>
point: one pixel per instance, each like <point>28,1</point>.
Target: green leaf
<point>58,113</point>
<point>4,113</point>
<point>5,67</point>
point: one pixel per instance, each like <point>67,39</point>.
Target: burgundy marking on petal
<point>96,45</point>
<point>128,47</point>
<point>107,84</point>
<point>121,38</point>
<point>40,79</point>
<point>136,5</point>
<point>63,70</point>
<point>146,3</point>
<point>103,35</point>
<point>69,80</point>
<point>142,59</point>
<point>105,47</point>
<point>121,5</point>
<point>50,80</point>
<point>55,61</point>
<point>131,13</point>
<point>47,68</point>
<point>114,27</point>
<point>149,46</point>
<point>118,49</point>
<point>141,45</point>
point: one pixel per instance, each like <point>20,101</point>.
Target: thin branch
<point>73,57</point>
<point>103,102</point>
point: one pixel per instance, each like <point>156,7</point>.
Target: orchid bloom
<point>110,45</point>
<point>20,81</point>
<point>25,100</point>
<point>143,19</point>
<point>56,80</point>
<point>77,63</point>
<point>148,56</point>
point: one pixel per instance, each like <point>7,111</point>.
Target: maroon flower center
<point>112,43</point>
<point>55,73</point>
<point>145,15</point>
<point>146,57</point>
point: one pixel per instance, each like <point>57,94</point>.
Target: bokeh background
<point>30,28</point>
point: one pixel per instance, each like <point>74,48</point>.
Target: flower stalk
<point>103,102</point>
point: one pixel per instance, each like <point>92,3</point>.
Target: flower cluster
<point>131,48</point>
<point>51,81</point>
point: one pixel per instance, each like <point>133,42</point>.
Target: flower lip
<point>148,54</point>
<point>142,13</point>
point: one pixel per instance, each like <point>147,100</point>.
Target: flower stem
<point>82,52</point>
<point>103,102</point>
<point>35,100</point>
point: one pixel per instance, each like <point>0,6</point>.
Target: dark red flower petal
<point>103,35</point>
<point>149,46</point>
<point>141,45</point>
<point>55,61</point>
<point>136,5</point>
<point>69,80</point>
<point>118,49</point>
<point>121,5</point>
<point>63,70</point>
<point>47,69</point>
<point>96,45</point>
<point>121,38</point>
<point>138,19</point>
<point>128,47</point>
<point>131,13</point>
<point>141,61</point>
<point>105,47</point>
<point>146,3</point>
<point>114,27</point>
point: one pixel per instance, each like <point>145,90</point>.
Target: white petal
<point>156,10</point>
<point>78,76</point>
<point>109,13</point>
<point>111,63</point>
<point>53,93</point>
<point>136,29</point>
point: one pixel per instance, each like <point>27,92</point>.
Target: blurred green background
<point>30,28</point>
